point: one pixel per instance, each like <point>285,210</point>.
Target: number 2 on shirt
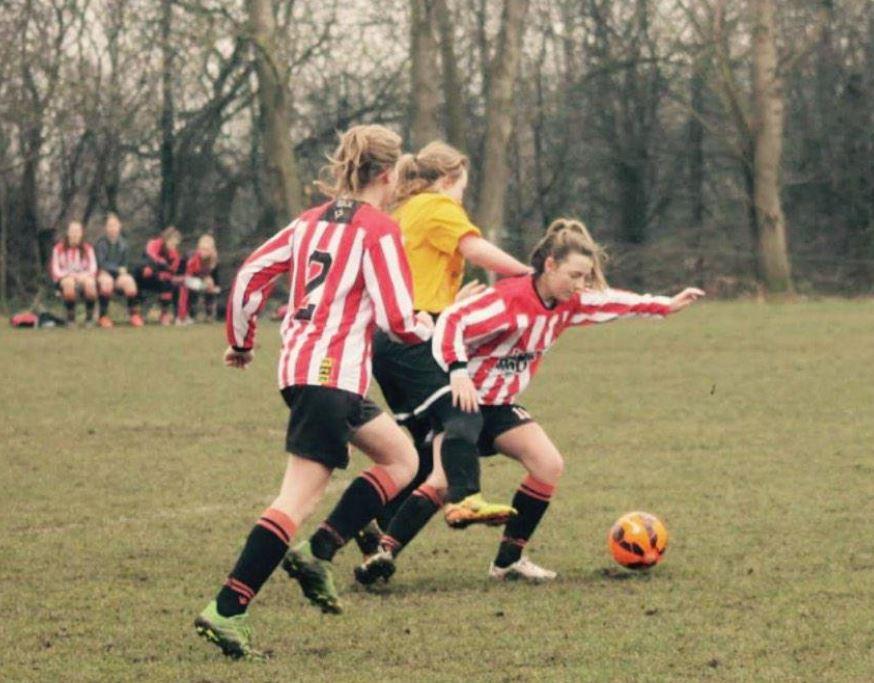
<point>323,259</point>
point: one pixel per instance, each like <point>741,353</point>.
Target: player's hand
<point>685,298</point>
<point>425,320</point>
<point>464,394</point>
<point>238,359</point>
<point>472,288</point>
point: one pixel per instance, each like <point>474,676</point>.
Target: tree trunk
<point>453,90</point>
<point>167,206</point>
<point>4,232</point>
<point>499,119</point>
<point>768,107</point>
<point>284,191</point>
<point>696,145</point>
<point>423,51</point>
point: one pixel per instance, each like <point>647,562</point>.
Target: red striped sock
<point>531,501</point>
<point>265,547</point>
<point>361,501</point>
<point>413,516</point>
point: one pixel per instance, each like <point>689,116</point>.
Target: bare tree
<point>423,52</point>
<point>284,192</point>
<point>453,89</point>
<point>768,113</point>
<point>502,73</point>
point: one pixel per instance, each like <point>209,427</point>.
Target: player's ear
<point>550,265</point>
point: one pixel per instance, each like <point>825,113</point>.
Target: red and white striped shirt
<point>503,333</point>
<point>347,274</point>
<point>72,261</point>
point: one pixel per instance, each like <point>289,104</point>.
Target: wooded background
<point>729,144</point>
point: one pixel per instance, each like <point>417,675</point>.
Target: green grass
<point>133,465</point>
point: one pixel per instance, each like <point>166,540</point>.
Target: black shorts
<point>496,421</point>
<point>410,379</point>
<point>323,420</point>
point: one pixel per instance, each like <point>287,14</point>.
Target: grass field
<point>133,466</point>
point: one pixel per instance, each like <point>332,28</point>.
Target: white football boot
<point>523,569</point>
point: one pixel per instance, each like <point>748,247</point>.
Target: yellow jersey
<point>432,225</point>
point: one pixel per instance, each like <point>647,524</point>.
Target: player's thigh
<point>87,282</point>
<point>384,442</point>
<point>530,445</point>
<point>105,283</point>
<point>67,286</point>
<point>126,284</point>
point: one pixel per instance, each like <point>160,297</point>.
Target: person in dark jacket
<point>113,275</point>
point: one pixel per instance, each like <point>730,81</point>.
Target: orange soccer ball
<point>638,540</point>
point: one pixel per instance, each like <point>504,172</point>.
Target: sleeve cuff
<point>458,365</point>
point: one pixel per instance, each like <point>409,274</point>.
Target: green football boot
<point>232,634</point>
<point>315,577</point>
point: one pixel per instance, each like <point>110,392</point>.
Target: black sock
<point>210,305</point>
<point>104,305</point>
<point>266,546</point>
<point>71,310</point>
<point>165,305</point>
<point>89,309</point>
<point>531,501</point>
<point>360,503</point>
<point>460,456</point>
<point>133,305</point>
<point>413,516</point>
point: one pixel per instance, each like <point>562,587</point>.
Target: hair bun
<point>561,224</point>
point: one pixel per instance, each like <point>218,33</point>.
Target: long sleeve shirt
<point>501,335</point>
<point>347,275</point>
<point>72,261</point>
<point>111,256</point>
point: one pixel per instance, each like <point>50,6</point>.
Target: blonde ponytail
<point>418,172</point>
<point>566,236</point>
<point>363,153</point>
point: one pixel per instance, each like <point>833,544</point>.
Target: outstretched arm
<point>602,306</point>
<point>482,253</point>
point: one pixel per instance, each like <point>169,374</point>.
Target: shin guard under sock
<point>459,455</point>
<point>361,502</point>
<point>531,501</point>
<point>265,547</point>
<point>413,516</point>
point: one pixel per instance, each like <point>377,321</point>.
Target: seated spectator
<point>160,273</point>
<point>112,273</point>
<point>73,269</point>
<point>201,277</point>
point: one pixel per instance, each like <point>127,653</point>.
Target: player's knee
<point>463,427</point>
<point>552,468</point>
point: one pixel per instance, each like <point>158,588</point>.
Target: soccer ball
<point>638,540</point>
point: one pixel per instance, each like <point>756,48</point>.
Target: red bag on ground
<point>24,319</point>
